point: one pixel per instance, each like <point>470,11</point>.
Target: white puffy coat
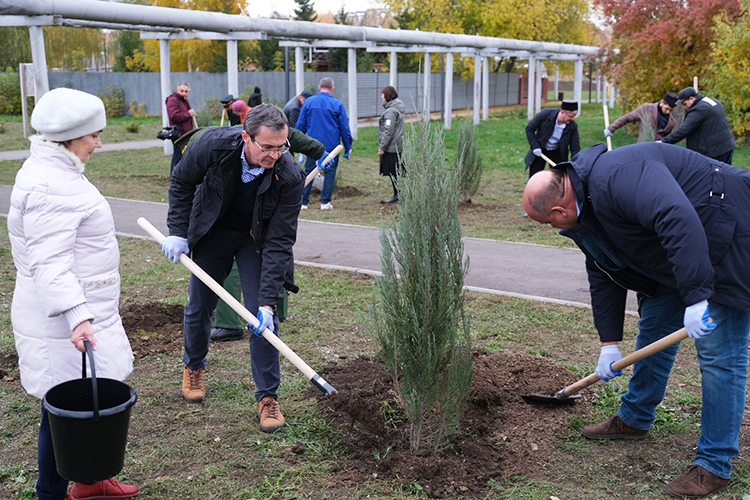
<point>63,241</point>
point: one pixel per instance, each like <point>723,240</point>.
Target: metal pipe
<point>232,72</point>
<point>485,88</point>
<point>427,84</point>
<point>448,90</point>
<point>351,55</point>
<point>115,12</point>
<point>477,87</point>
<point>39,56</point>
<point>166,88</point>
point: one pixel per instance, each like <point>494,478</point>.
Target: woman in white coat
<point>67,281</point>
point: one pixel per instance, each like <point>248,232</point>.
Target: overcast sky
<point>265,8</point>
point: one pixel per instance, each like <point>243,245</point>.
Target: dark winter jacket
<point>255,99</point>
<point>391,129</point>
<point>645,114</point>
<point>178,111</point>
<point>541,128</point>
<point>291,110</point>
<point>654,213</point>
<point>203,186</point>
<point>302,143</point>
<point>705,129</point>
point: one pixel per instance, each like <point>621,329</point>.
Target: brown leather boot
<point>193,389</point>
<point>613,428</point>
<point>102,490</point>
<point>697,483</point>
<point>270,415</point>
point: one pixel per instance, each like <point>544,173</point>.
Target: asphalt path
<point>537,272</point>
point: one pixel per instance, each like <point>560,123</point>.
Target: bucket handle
<point>87,344</point>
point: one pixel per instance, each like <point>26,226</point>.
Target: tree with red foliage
<point>663,44</point>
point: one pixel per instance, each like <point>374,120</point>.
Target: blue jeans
<point>723,362</point>
<point>330,181</point>
<point>214,253</point>
<point>49,486</point>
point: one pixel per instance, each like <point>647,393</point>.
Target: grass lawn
<point>215,450</point>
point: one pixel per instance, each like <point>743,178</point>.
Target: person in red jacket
<point>180,113</point>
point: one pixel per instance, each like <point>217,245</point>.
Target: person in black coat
<point>553,132</point>
<point>255,98</point>
<point>706,129</point>
<point>236,194</point>
<point>672,225</point>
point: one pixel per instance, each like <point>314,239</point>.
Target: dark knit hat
<point>306,94</point>
<point>569,105</point>
<point>686,94</point>
<point>670,99</point>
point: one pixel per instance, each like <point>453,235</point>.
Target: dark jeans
<point>726,157</point>
<point>214,253</point>
<point>176,156</point>
<point>328,184</point>
<point>539,163</point>
<point>49,486</point>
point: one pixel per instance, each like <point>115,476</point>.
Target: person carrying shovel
<point>671,225</point>
<point>236,194</point>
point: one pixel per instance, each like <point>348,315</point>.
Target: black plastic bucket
<point>89,420</point>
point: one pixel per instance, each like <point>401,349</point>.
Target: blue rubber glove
<point>174,246</point>
<point>537,152</point>
<point>609,354</point>
<point>346,155</point>
<point>301,159</point>
<point>607,133</point>
<point>265,317</point>
<point>319,162</point>
<point>696,320</point>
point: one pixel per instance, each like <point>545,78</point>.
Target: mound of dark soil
<point>153,328</point>
<point>501,435</point>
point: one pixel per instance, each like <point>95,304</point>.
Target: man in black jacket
<point>236,194</point>
<point>672,225</point>
<point>706,129</point>
<point>553,132</point>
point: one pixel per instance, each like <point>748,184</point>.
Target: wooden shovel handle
<point>631,359</point>
<point>545,158</point>
<point>232,302</point>
<point>328,158</point>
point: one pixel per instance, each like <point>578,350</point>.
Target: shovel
<point>568,394</point>
<point>275,341</point>
<point>327,159</point>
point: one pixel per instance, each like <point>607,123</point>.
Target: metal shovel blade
<point>551,400</point>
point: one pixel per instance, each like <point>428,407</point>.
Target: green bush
<point>468,160</point>
<point>10,93</point>
<point>114,101</point>
<point>132,127</point>
<point>204,118</point>
<point>214,107</point>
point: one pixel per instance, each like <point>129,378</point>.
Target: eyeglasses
<point>269,151</point>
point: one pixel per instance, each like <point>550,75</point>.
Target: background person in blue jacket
<point>323,117</point>
<point>672,225</point>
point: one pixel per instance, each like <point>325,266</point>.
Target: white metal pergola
<point>167,24</point>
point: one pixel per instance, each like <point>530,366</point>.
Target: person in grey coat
<point>706,129</point>
<point>391,138</point>
<point>294,105</point>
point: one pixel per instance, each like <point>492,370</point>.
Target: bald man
<point>674,226</point>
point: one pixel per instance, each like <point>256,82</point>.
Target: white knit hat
<point>64,114</point>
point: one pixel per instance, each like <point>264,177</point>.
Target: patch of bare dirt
<point>153,328</point>
<point>347,192</point>
<point>501,435</point>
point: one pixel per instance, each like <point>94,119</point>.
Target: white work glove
<point>537,152</point>
<point>696,320</point>
<point>265,317</point>
<point>174,246</point>
<point>608,355</point>
<point>607,133</point>
<point>319,162</point>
